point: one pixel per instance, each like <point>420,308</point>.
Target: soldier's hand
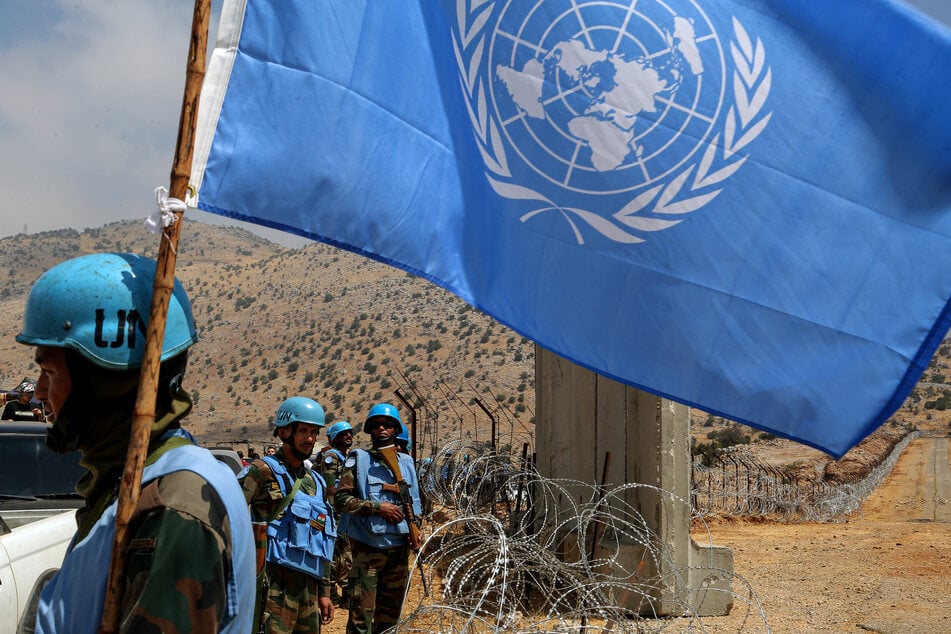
<point>326,607</point>
<point>391,512</point>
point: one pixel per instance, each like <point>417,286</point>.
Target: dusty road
<point>921,485</point>
<point>888,569</point>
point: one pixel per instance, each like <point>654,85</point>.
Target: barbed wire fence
<point>732,482</point>
<point>736,483</point>
<point>510,550</point>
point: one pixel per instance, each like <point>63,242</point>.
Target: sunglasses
<point>387,424</point>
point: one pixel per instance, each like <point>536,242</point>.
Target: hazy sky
<point>89,104</point>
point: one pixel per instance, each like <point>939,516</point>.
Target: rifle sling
<point>287,498</point>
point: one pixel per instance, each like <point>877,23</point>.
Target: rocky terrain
<point>316,321</point>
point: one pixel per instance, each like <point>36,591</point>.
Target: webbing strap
<point>287,498</point>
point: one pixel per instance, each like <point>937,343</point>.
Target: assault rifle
<point>401,488</point>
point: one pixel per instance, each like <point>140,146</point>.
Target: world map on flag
<point>604,92</point>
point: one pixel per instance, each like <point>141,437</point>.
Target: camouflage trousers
<point>291,602</point>
<point>341,564</point>
<point>377,583</point>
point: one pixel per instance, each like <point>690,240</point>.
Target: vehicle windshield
<point>28,468</point>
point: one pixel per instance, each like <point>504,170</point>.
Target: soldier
<point>340,435</point>
<point>377,526</point>
<point>403,443</point>
<point>189,563</point>
<point>23,406</point>
<point>301,528</point>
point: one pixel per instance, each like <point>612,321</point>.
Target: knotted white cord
<point>164,216</point>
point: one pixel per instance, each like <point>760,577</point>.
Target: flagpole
<point>144,412</point>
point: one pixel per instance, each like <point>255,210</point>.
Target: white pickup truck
<point>37,507</point>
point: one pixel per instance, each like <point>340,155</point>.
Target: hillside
<point>316,321</point>
<point>348,332</point>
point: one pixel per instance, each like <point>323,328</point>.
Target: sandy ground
<point>887,569</point>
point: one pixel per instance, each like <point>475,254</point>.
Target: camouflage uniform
<point>377,584</point>
<point>378,576</point>
<point>178,560</point>
<point>170,512</point>
<point>291,601</point>
<point>331,467</point>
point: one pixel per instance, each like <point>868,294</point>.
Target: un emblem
<point>621,116</point>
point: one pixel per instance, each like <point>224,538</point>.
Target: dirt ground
<point>886,569</point>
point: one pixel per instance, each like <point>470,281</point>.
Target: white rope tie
<point>164,216</point>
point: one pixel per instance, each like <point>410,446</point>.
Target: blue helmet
<point>299,409</point>
<point>385,410</point>
<point>404,436</point>
<point>337,428</point>
<point>99,305</point>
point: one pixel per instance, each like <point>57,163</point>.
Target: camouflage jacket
<point>346,499</point>
<point>181,574</point>
<point>177,510</point>
<point>330,466</point>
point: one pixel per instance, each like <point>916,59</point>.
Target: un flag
<point>742,206</point>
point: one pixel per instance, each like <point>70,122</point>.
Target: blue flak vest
<point>328,457</point>
<point>302,537</point>
<point>72,602</point>
<point>339,455</point>
<point>370,476</point>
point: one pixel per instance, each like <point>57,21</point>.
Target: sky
<point>90,99</point>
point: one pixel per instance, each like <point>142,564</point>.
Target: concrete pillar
<point>580,416</point>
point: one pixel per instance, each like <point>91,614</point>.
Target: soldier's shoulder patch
<point>329,460</point>
<point>351,462</point>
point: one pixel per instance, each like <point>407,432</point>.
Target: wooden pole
<point>144,412</point>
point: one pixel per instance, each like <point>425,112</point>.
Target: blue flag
<point>744,206</point>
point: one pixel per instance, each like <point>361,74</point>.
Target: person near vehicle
<point>23,406</point>
<point>301,528</point>
<point>189,563</point>
<point>340,436</point>
<point>374,520</point>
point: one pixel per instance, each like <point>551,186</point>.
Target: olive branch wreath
<point>752,81</point>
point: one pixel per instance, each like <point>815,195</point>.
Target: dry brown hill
<point>315,321</point>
